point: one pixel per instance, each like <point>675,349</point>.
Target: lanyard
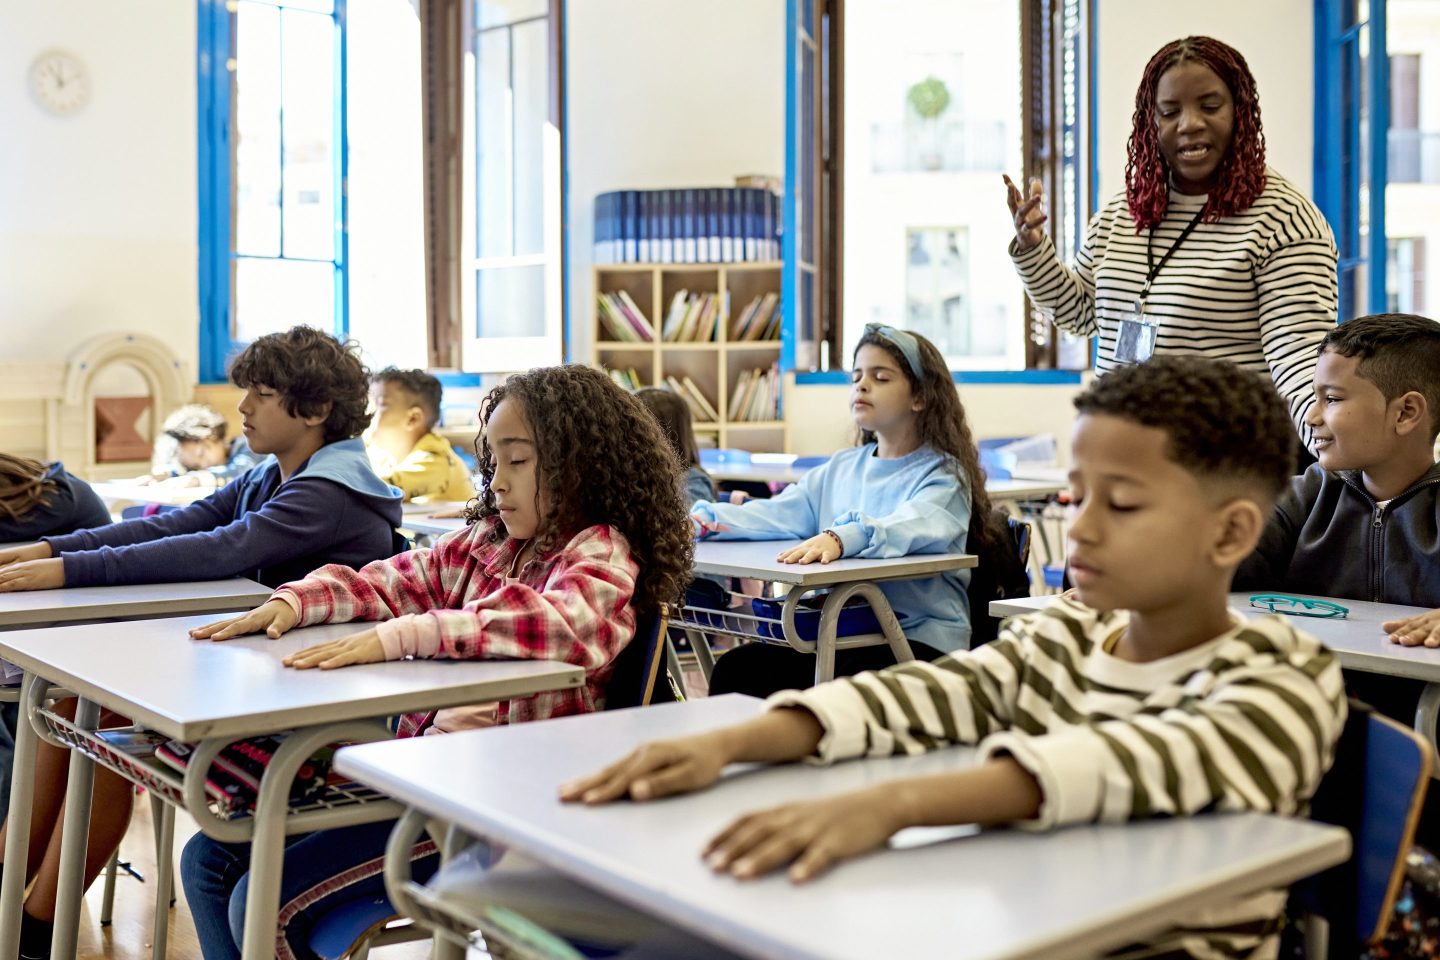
<point>1155,268</point>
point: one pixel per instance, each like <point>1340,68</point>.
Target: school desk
<point>164,494</point>
<point>216,693</point>
<point>755,559</point>
<point>425,526</point>
<point>34,608</point>
<point>961,893</point>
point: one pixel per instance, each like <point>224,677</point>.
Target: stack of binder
<point>691,225</point>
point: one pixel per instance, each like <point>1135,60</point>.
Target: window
<point>512,293</point>
<point>1377,155</point>
<point>916,110</point>
<point>272,169</point>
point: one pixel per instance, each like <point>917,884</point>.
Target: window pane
<point>932,119</point>
<point>273,295</point>
<point>494,146</point>
<point>510,302</point>
<point>308,51</point>
<point>257,129</point>
<point>1412,194</point>
<point>529,57</point>
<point>497,13</point>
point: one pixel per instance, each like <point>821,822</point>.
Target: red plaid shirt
<point>452,600</point>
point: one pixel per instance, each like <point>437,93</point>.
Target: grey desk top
<point>129,602</point>
<point>967,895</point>
<point>1357,640</point>
<point>756,559</point>
<point>152,672</point>
<point>166,494</point>
<point>1018,489</point>
<point>431,526</point>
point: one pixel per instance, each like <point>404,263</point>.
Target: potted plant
<point>929,98</point>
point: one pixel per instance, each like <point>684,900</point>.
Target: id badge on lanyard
<point>1135,340</point>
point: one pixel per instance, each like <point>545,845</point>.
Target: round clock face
<point>59,82</point>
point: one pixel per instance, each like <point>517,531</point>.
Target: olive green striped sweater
<point>1246,721</point>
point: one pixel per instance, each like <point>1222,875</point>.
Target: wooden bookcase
<point>714,366</point>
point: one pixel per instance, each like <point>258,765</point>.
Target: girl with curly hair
<point>577,529</point>
<point>1208,251</point>
<point>912,484</point>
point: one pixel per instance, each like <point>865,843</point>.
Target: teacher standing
<point>1207,251</point>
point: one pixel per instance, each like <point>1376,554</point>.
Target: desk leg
<point>446,948</point>
<point>1427,712</point>
<point>163,821</point>
<point>825,640</point>
<point>22,789</point>
<point>704,656</point>
<point>75,839</point>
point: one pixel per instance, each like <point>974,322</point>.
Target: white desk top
<point>758,472</point>
<point>1060,475</point>
<point>998,895</point>
<point>1357,639</point>
<point>166,494</point>
<point>1023,489</point>
<point>411,508</point>
<point>431,526</point>
<point>756,559</point>
<point>129,602</point>
<point>152,672</point>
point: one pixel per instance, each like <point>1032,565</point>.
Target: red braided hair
<point>1241,174</point>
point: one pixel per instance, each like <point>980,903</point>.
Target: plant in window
<point>929,98</point>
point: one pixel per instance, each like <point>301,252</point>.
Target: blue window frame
<point>271,115</point>
<point>1352,124</point>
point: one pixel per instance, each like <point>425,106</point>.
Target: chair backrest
<point>634,681</point>
<point>1375,789</point>
<point>1001,574</point>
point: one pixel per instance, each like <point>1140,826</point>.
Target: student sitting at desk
<point>192,451</point>
<point>314,500</point>
<point>1145,698</point>
<point>913,484</point>
<point>578,528</point>
<point>39,499</point>
<point>404,448</point>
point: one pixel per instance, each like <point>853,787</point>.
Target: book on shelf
<point>691,318</point>
<point>756,396</point>
<point>622,319</point>
<point>687,225</point>
<point>700,407</point>
<point>628,378</point>
<point>760,320</point>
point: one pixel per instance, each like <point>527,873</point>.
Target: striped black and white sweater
<point>1246,721</point>
<point>1258,288</point>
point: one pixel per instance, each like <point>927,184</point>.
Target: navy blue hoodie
<point>72,506</point>
<point>331,510</point>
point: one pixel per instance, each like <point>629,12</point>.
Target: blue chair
<point>1375,790</point>
<point>350,929</point>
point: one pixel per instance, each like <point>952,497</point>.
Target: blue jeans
<point>322,870</point>
<point>9,712</point>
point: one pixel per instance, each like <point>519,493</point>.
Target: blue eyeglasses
<point>1299,606</point>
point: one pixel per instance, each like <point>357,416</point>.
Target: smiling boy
<point>1146,698</point>
<point>1364,522</point>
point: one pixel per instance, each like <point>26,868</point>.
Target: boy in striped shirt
<point>1143,697</point>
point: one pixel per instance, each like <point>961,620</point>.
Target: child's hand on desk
<point>824,547</point>
<point>1414,631</point>
<point>32,575</point>
<point>812,836</point>
<point>32,551</point>
<point>656,769</point>
<point>347,651</point>
<point>273,618</point>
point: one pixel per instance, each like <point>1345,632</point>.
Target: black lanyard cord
<point>1154,267</point>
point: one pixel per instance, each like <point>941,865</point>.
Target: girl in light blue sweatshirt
<point>913,484</point>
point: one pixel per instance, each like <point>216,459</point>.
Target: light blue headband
<point>901,340</point>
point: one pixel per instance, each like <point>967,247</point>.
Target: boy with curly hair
<point>1144,697</point>
<point>313,500</point>
<point>404,448</point>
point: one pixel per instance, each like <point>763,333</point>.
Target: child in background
<point>314,500</point>
<point>673,415</point>
<point>1145,697</point>
<point>191,449</point>
<point>404,448</point>
<point>913,484</point>
<point>577,529</point>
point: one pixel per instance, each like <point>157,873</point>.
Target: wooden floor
<point>128,936</point>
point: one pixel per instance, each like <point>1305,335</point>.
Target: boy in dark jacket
<point>314,500</point>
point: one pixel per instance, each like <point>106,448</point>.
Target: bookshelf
<point>719,367</point>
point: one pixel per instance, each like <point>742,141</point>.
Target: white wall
<point>665,94</point>
<point>1276,38</point>
<point>97,210</point>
